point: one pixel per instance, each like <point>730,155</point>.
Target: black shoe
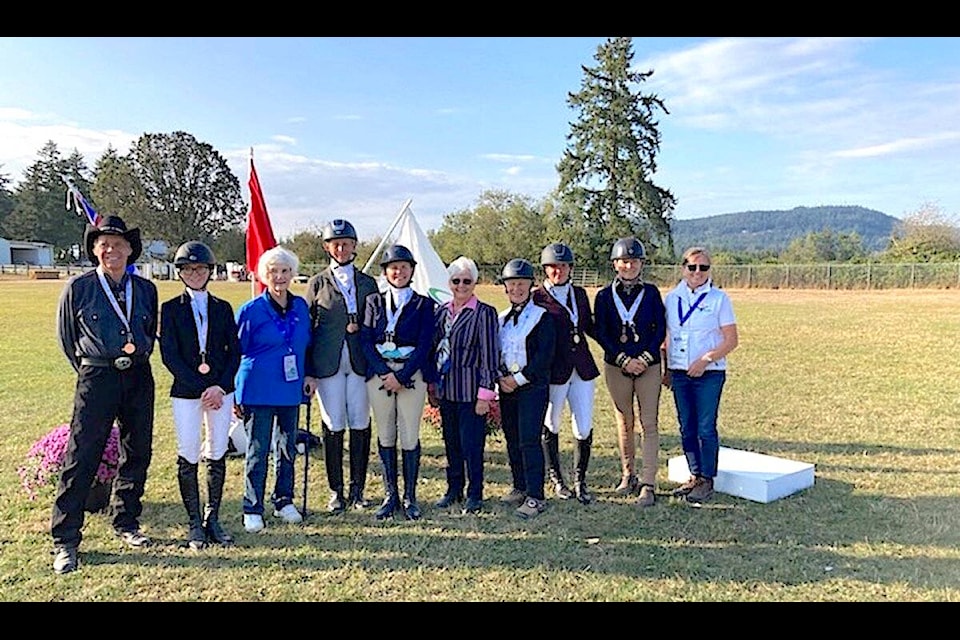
<point>65,560</point>
<point>583,494</point>
<point>134,538</point>
<point>473,505</point>
<point>448,499</point>
<point>411,510</point>
<point>336,504</point>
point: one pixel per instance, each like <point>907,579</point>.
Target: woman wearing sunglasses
<point>701,331</point>
<point>630,327</point>
<point>466,354</point>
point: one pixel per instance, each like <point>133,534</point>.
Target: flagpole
<point>251,277</point>
<point>383,240</point>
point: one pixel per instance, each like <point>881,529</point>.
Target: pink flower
<point>45,459</point>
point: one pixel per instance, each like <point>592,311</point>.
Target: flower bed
<point>431,416</point>
<point>45,459</point>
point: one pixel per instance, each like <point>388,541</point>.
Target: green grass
<point>865,385</point>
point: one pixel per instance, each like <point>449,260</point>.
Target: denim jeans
<point>261,437</point>
<point>698,404</point>
<point>464,439</point>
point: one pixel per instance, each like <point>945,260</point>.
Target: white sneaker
<point>252,522</point>
<point>289,514</point>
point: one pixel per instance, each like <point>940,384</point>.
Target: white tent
<point>430,276</point>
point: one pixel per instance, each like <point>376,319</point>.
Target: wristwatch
<point>708,359</point>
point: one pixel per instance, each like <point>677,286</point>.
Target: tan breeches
<point>646,389</point>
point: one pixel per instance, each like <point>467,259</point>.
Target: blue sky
<point>353,127</point>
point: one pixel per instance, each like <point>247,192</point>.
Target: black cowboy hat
<point>113,225</point>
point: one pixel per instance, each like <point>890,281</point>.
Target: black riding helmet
<point>194,252</point>
<point>628,248</point>
<point>556,253</point>
<point>516,269</point>
<point>338,229</point>
<point>396,253</point>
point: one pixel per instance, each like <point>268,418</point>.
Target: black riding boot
<point>411,471</point>
<point>581,459</point>
<point>359,460</point>
<point>388,460</point>
<point>333,460</point>
<point>190,495</point>
<point>551,454</point>
<point>216,474</point>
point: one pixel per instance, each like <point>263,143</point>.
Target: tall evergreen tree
<point>40,214</point>
<point>606,170</point>
<point>7,200</point>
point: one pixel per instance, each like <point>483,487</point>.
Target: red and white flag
<point>260,236</point>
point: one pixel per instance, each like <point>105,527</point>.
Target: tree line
<point>177,188</point>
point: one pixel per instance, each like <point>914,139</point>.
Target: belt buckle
<point>123,362</point>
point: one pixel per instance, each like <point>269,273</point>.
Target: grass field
<point>865,385</point>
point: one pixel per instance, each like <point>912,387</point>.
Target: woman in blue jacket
<point>274,333</point>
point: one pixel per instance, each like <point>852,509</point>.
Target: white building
<point>21,252</point>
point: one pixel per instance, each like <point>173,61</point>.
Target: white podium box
<point>749,475</point>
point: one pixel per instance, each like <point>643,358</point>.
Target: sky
<point>355,127</point>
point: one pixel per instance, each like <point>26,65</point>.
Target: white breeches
<point>343,397</point>
<point>189,419</point>
<point>578,393</point>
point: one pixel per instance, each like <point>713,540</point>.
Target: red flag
<point>259,232</point>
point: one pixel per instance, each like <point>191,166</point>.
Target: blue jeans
<point>259,425</point>
<point>464,439</point>
<point>698,404</point>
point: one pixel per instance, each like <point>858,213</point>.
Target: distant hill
<point>773,230</point>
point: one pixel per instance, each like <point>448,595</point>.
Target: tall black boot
<point>388,460</point>
<point>190,495</point>
<point>411,471</point>
<point>551,454</point>
<point>581,460</point>
<point>359,460</point>
<point>333,460</point>
<point>216,474</point>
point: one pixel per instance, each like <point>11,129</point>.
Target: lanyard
<point>685,317</point>
<point>203,323</point>
<point>286,324</point>
<point>626,315</point>
<point>391,298</point>
<point>128,290</point>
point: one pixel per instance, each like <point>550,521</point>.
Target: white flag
<point>430,275</point>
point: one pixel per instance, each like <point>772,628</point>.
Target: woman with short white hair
<point>274,333</point>
<point>466,354</point>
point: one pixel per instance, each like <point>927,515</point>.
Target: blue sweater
<point>265,338</point>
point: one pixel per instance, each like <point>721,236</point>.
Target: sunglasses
<point>466,281</point>
<point>693,267</point>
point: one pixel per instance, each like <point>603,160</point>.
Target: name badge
<point>290,373</point>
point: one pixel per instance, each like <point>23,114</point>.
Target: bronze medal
<point>623,338</point>
<point>389,346</point>
<point>204,368</point>
<point>129,348</point>
<point>352,327</point>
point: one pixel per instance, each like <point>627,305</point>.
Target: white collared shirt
<point>700,331</point>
